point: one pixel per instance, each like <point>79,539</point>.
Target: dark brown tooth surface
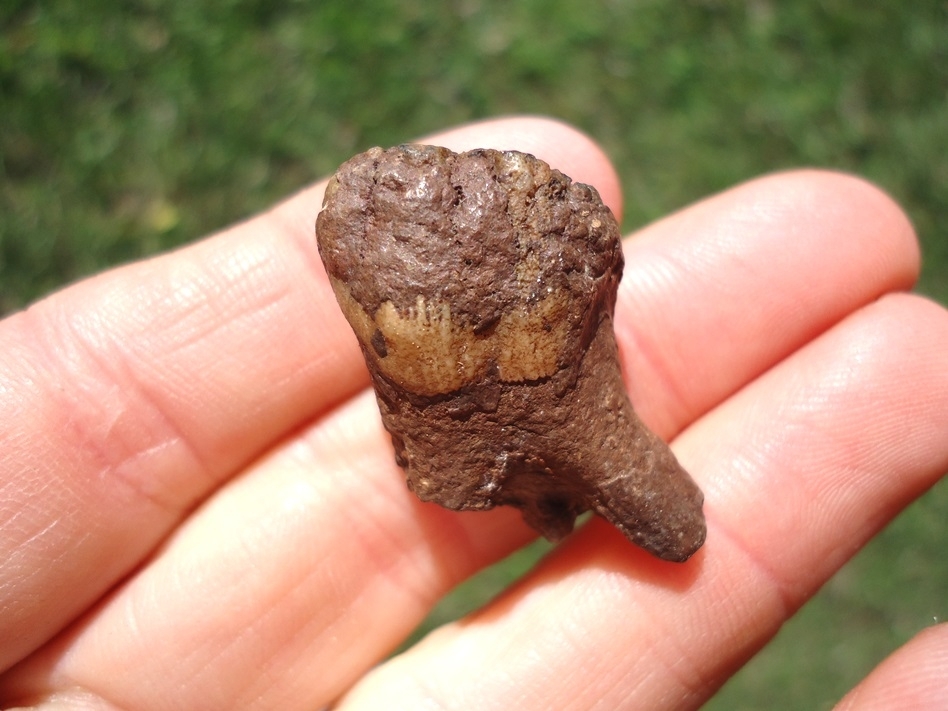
<point>481,287</point>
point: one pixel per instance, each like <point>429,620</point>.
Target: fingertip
<point>852,203</point>
<point>914,677</point>
<point>769,264</point>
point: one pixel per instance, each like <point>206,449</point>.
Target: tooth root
<point>481,288</point>
<point>638,484</point>
<point>552,453</point>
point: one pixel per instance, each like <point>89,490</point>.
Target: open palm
<point>200,509</point>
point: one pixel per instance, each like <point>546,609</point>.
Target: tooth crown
<point>460,266</point>
<point>481,288</point>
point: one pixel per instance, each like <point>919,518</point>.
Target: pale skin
<point>199,509</point>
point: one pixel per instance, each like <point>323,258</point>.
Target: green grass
<point>129,128</point>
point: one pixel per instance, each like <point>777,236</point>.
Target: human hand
<point>201,510</point>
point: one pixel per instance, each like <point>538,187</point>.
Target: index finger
<point>130,396</point>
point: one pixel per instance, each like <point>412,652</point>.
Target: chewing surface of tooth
<point>481,288</point>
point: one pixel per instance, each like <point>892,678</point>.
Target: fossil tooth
<point>481,287</point>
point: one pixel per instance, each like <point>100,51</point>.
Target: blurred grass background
<point>127,128</point>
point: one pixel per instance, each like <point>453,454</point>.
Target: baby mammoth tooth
<point>481,287</point>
